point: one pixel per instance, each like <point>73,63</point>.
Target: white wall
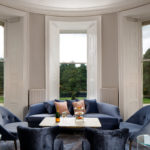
<point>110,51</point>
<point>109,54</point>
<point>110,58</point>
<point>37,51</point>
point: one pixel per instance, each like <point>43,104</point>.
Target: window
<point>54,29</point>
<point>146,63</point>
<point>73,62</point>
<point>1,63</point>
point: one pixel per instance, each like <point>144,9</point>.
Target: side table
<point>143,140</point>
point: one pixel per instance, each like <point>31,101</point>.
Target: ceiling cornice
<point>73,12</point>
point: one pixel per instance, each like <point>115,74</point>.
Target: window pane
<point>73,81</point>
<point>1,64</point>
<point>146,82</point>
<point>1,81</point>
<point>146,41</point>
<point>73,48</point>
<point>1,42</point>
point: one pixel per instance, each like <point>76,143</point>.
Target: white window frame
<point>92,25</point>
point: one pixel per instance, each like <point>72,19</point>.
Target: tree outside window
<point>1,63</point>
<point>146,63</point>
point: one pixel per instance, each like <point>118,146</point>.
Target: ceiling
<point>76,6</point>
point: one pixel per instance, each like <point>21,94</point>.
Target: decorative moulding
<point>87,11</point>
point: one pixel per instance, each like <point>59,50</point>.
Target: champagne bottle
<point>57,116</point>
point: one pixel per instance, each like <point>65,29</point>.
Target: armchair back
<point>7,117</point>
<point>141,117</point>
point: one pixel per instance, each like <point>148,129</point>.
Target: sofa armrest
<point>36,109</point>
<point>109,109</point>
<point>85,145</point>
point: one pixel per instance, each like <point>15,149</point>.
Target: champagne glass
<point>64,114</point>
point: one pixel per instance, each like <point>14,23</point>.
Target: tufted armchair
<point>8,125</point>
<point>138,123</point>
<point>105,139</point>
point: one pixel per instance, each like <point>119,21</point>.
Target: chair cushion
<point>91,106</point>
<point>50,107</point>
<point>133,128</point>
<point>12,127</point>
<point>37,138</point>
<point>107,139</point>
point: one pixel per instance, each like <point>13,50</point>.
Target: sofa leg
<point>130,145</point>
<point>15,144</point>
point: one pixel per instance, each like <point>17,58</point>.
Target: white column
<point>52,61</point>
<point>16,65</point>
<point>130,75</point>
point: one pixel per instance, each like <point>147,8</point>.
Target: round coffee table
<point>143,140</point>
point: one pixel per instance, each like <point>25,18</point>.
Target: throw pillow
<point>91,106</point>
<point>107,139</point>
<point>50,107</point>
<point>70,105</point>
<point>79,103</point>
<point>62,107</point>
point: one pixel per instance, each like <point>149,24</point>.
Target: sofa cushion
<point>12,127</point>
<point>70,106</point>
<point>97,115</point>
<point>50,107</point>
<point>91,106</point>
<point>40,116</point>
<point>133,128</point>
<point>107,139</point>
<point>61,107</point>
<point>79,103</point>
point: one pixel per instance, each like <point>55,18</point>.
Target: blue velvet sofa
<point>108,114</point>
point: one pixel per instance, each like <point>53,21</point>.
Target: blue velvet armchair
<point>105,139</point>
<point>138,123</point>
<point>39,138</point>
<point>8,125</point>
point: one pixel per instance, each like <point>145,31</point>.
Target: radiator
<point>110,95</point>
<point>36,96</point>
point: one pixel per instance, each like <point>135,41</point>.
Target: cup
<point>64,114</point>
